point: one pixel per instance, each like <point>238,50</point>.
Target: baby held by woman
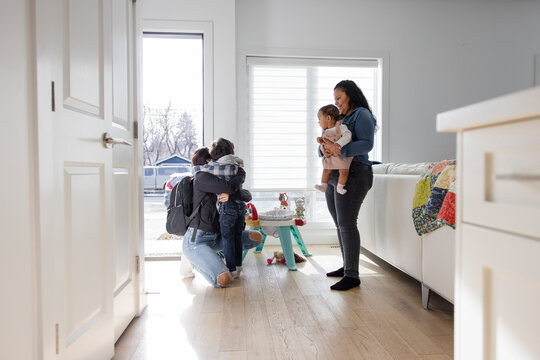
<point>335,132</point>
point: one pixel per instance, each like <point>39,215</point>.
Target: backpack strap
<point>176,188</point>
<point>176,196</point>
<point>194,212</point>
<point>192,216</point>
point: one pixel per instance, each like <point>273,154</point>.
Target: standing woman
<point>356,115</point>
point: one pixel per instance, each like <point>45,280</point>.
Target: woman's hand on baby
<point>326,152</point>
<point>223,197</point>
<point>331,148</point>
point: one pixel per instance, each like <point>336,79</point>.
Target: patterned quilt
<point>434,203</point>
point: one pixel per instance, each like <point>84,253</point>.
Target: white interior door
<point>87,259</point>
<point>124,168</point>
<point>84,268</point>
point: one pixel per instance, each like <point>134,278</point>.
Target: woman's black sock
<point>336,273</point>
<point>346,283</point>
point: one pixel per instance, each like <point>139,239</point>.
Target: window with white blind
<point>284,97</point>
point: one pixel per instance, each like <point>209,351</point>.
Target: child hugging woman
<point>335,132</point>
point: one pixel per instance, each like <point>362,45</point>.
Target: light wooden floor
<point>273,313</point>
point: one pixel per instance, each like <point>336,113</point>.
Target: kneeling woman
<point>203,249</point>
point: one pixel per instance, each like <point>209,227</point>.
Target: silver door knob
<point>109,141</point>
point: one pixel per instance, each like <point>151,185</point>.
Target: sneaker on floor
<point>236,273</point>
<point>186,270</point>
<point>188,274</point>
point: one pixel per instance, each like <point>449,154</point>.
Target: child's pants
<point>231,220</point>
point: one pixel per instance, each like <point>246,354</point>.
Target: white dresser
<point>497,289</point>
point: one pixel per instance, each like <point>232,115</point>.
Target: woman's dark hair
<point>221,147</point>
<point>356,96</point>
<point>201,156</point>
<point>331,110</point>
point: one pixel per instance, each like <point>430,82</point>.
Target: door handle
<point>109,141</point>
<point>513,176</point>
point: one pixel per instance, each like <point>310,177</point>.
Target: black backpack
<point>180,211</point>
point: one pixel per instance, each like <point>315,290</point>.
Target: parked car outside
<point>175,178</point>
<point>156,177</point>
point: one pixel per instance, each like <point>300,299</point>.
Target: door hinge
<point>137,264</point>
<point>135,129</point>
<point>57,339</point>
<point>53,105</point>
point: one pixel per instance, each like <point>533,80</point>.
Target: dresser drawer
<point>501,177</point>
<point>497,296</point>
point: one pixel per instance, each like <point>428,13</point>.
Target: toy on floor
<point>298,258</point>
<point>280,257</point>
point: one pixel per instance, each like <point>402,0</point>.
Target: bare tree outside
<point>167,132</point>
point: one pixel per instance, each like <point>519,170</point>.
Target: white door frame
<point>138,194</point>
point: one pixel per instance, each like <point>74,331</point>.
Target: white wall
<point>443,53</point>
<point>18,302</point>
<point>222,15</point>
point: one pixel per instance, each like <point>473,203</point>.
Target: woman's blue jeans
<point>205,252</point>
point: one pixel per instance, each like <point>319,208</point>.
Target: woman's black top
<point>205,188</point>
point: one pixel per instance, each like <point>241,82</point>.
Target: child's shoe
<point>236,273</point>
<point>321,187</point>
<point>341,189</point>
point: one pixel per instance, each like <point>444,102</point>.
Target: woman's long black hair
<point>356,96</point>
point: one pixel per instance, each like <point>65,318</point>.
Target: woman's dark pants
<point>344,210</point>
